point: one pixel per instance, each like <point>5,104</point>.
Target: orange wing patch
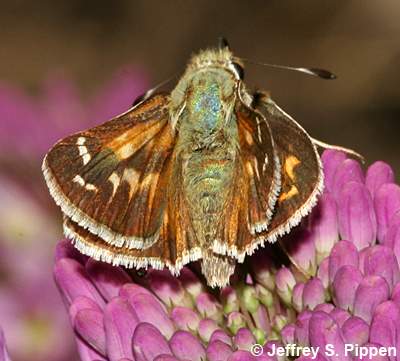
<point>289,168</point>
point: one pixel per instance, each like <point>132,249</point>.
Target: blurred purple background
<point>68,66</point>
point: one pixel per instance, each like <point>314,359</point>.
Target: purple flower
<point>31,125</point>
<point>31,312</point>
<point>3,348</point>
<point>342,287</point>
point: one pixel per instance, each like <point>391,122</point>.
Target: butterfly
<point>209,172</point>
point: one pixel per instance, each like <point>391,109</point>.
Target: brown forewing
<point>301,182</point>
<point>259,166</point>
<point>254,188</point>
<point>302,178</point>
<point>111,179</point>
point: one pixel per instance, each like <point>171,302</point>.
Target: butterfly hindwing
<point>103,178</point>
<point>176,244</point>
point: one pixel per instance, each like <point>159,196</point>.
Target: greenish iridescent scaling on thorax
<point>206,106</point>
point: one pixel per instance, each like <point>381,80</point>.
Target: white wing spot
<point>78,179</point>
<point>83,151</point>
<point>265,163</point>
<point>259,130</point>
<point>115,180</point>
<point>125,151</point>
<point>88,186</point>
<point>81,141</point>
<point>131,176</point>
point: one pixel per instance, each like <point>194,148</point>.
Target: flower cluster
<point>31,312</point>
<point>342,285</point>
<point>353,255</point>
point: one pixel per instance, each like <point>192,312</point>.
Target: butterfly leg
<point>348,151</point>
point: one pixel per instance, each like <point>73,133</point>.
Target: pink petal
<point>190,282</point>
<point>244,339</point>
<point>206,329</point>
<point>148,343</point>
<point>344,286</point>
<point>387,203</point>
<point>324,225</point>
<point>381,261</point>
<point>331,160</point>
<point>242,356</point>
<point>221,336</point>
<point>378,173</point>
<point>168,288</point>
<point>82,303</point>
<point>148,309</point>
<point>185,346</point>
<point>185,318</point>
<point>208,306</point>
<point>218,351</point>
<point>313,293</point>
<point>355,331</point>
<point>120,322</point>
<point>343,253</point>
<point>73,281</point>
<point>372,291</point>
<point>108,279</point>
<point>89,325</point>
<point>348,171</point>
<point>356,215</point>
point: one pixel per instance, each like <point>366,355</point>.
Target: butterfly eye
<point>238,70</point>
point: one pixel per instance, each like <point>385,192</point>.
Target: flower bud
<point>372,291</point>
<point>387,203</point>
<point>324,225</point>
<point>313,293</point>
<point>378,173</point>
<point>348,171</point>
<point>186,346</point>
<point>355,331</point>
<point>343,253</point>
<point>148,343</point>
<point>285,282</point>
<point>356,215</point>
<point>381,261</point>
<point>331,160</point>
<point>344,286</point>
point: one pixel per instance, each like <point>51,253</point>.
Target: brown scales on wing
<point>125,173</point>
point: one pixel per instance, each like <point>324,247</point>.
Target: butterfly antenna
<point>141,98</point>
<point>223,43</point>
<point>319,73</point>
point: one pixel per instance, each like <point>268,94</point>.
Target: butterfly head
<point>208,88</point>
<point>218,58</point>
